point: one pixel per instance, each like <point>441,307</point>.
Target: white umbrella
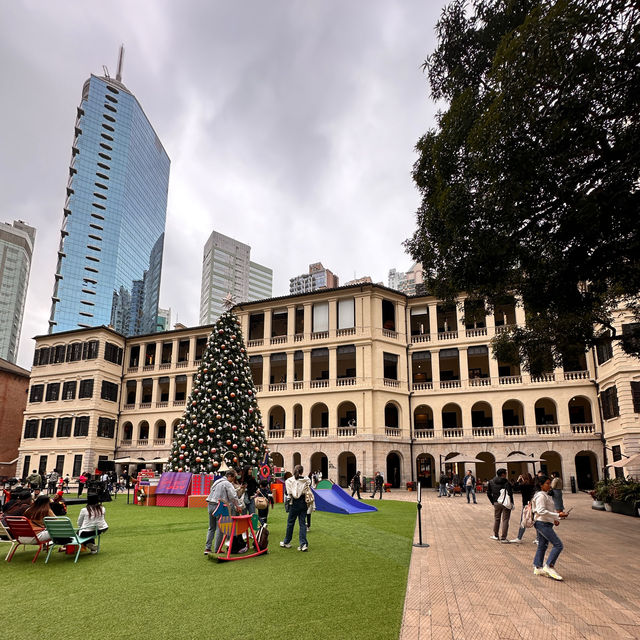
<point>520,457</point>
<point>461,458</point>
<point>634,459</point>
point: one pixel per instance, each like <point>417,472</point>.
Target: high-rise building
<point>317,278</point>
<point>410,282</point>
<point>112,235</point>
<point>227,269</point>
<point>164,319</point>
<point>16,249</point>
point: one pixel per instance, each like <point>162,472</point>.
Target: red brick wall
<point>13,401</point>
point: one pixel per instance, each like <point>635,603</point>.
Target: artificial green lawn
<point>151,580</point>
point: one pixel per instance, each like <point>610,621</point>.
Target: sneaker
<point>304,547</point>
<point>551,572</point>
<point>516,541</point>
<point>539,571</point>
<point>243,550</point>
<point>94,551</point>
<point>505,541</point>
<point>285,545</point>
<point>207,552</point>
<point>494,538</point>
<point>535,541</point>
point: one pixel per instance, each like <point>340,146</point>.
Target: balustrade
<point>392,432</point>
<point>482,432</point>
<point>319,432</point>
<point>421,434</point>
<point>347,431</point>
<point>391,383</point>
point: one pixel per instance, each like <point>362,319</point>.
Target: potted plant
<point>602,495</point>
<point>387,487</point>
<point>411,486</point>
<point>625,495</point>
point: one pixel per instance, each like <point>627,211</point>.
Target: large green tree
<point>530,181</point>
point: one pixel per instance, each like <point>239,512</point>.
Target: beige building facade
<point>355,378</point>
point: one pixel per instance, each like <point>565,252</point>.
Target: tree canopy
<point>530,181</point>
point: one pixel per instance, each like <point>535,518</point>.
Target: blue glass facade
<point>112,236</point>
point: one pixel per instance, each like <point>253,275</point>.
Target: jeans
<point>213,530</point>
<point>547,535</point>
<point>471,491</point>
<point>501,516</point>
<point>442,490</point>
<point>557,500</point>
<point>522,529</point>
<point>297,511</point>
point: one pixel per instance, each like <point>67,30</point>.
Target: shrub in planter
<point>411,486</point>
<point>387,487</point>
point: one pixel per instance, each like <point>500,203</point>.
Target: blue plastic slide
<point>336,500</point>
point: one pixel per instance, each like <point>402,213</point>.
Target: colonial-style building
<point>357,377</point>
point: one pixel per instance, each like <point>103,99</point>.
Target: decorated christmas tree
<point>222,421</point>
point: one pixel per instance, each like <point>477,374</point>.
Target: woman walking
<point>296,486</point>
<point>527,488</point>
<point>546,518</point>
<point>556,490</point>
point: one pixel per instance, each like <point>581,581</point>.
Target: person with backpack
<point>545,518</point>
<point>297,486</point>
<point>525,480</point>
<point>34,480</point>
<point>356,484</point>
<point>500,494</point>
<point>263,493</point>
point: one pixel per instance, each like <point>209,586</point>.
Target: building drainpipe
<point>410,413</point>
<point>605,471</point>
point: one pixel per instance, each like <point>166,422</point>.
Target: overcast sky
<point>290,126</point>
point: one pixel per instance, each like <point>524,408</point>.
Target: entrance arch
<point>346,468</point>
<point>580,410</point>
<point>486,469</point>
<point>425,470</point>
<point>319,462</point>
<point>277,459</point>
<point>394,467</point>
<point>296,459</point>
<point>552,461</point>
<point>586,470</point>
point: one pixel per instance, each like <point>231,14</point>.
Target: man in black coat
<point>500,494</point>
<point>377,486</point>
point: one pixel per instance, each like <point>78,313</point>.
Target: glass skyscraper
<point>112,235</point>
<point>16,249</point>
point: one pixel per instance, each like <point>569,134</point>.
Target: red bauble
<point>194,403</point>
<point>213,450</point>
<point>232,395</point>
<point>212,430</point>
<point>250,392</point>
<point>250,410</point>
<point>235,378</point>
<point>181,456</point>
<point>183,446</point>
<point>198,459</point>
<point>220,331</point>
<point>200,440</point>
<point>219,383</point>
<point>235,459</point>
<point>223,346</point>
<point>234,427</point>
<point>216,463</point>
<point>235,446</point>
<point>228,441</point>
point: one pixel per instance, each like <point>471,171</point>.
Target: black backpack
<point>238,543</point>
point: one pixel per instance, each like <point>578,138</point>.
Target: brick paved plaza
<point>466,586</point>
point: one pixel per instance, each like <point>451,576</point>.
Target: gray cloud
<point>290,126</point>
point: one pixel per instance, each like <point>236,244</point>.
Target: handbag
<point>505,499</point>
<point>261,502</point>
<point>308,496</point>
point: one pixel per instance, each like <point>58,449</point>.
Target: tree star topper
<point>228,301</point>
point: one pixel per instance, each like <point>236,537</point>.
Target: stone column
<point>433,320</point>
<point>291,323</point>
<point>463,361</point>
<point>435,369</point>
<point>333,317</point>
<point>308,321</point>
<point>306,367</point>
<point>267,326</point>
<point>266,372</point>
<point>290,370</point>
<point>333,366</point>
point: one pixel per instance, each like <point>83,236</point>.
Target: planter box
<point>626,508</point>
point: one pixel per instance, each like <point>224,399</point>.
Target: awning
<point>520,457</point>
<point>634,459</point>
<point>462,458</point>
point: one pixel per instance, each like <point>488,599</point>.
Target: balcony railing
<point>514,432</point>
<point>143,442</point>
<point>351,331</point>
<point>159,442</point>
<point>474,333</point>
<point>179,403</point>
<point>544,377</point>
<point>576,375</point>
<point>280,386</point>
<point>255,343</point>
<point>344,432</point>
<point>421,337</point>
<point>319,335</point>
<point>583,428</point>
<point>421,434</point>
<point>126,442</point>
<point>129,406</point>
<point>421,386</point>
<point>392,432</point>
<point>162,404</point>
<point>318,384</point>
<point>276,434</point>
<point>258,388</point>
<point>165,365</point>
<point>278,339</point>
<point>132,369</point>
<point>388,333</point>
<point>450,384</point>
<point>298,384</point>
<point>181,364</point>
<point>504,328</point>
<point>319,432</point>
<point>457,432</point>
<point>145,405</point>
<point>345,382</point>
<point>297,433</point>
<point>480,382</point>
<point>388,382</point>
<point>510,379</point>
<point>149,367</point>
<point>547,429</point>
<point>447,335</point>
<point>482,432</point>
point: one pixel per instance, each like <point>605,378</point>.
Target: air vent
<point>97,216</point>
<point>111,98</point>
<point>98,238</point>
<point>90,246</point>
<point>106,146</point>
<point>98,227</point>
<point>91,269</point>
<point>99,195</point>
<point>89,304</point>
<point>104,166</point>
<point>108,117</point>
<point>108,127</point>
<point>110,108</point>
<point>86,315</point>
<point>101,186</point>
<point>106,136</point>
<point>101,175</point>
<point>92,258</point>
<point>91,293</point>
<point>112,89</point>
<point>105,156</point>
<point>98,206</point>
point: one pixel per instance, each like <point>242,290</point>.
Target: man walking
<point>222,491</point>
<point>377,486</point>
<point>34,480</point>
<point>356,484</point>
<point>500,494</point>
<point>470,486</point>
<point>52,482</point>
<point>442,485</point>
